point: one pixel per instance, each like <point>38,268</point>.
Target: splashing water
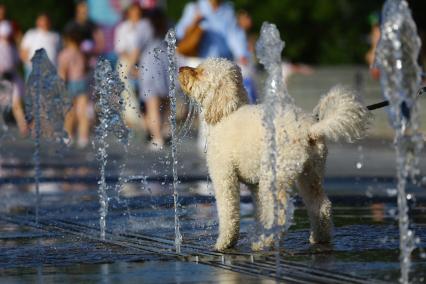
<point>46,98</point>
<point>268,50</point>
<point>172,70</point>
<point>122,180</point>
<point>6,89</point>
<point>360,163</point>
<point>109,106</point>
<point>186,127</point>
<point>46,103</point>
<point>396,56</point>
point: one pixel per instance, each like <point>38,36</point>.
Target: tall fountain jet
<point>172,70</point>
<point>400,76</point>
<point>109,107</point>
<point>277,100</point>
<point>46,104</point>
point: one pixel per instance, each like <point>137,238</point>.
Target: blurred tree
<point>24,12</point>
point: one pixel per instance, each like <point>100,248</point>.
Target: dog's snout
<point>186,68</point>
<point>190,70</point>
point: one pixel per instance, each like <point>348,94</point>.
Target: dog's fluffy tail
<point>340,116</point>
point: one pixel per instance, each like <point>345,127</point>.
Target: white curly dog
<point>236,148</point>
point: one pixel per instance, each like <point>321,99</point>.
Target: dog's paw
<point>320,237</point>
<point>264,243</point>
<point>224,244</point>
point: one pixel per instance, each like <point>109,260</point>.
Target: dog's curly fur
<point>236,148</point>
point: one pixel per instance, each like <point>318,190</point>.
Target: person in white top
<point>132,36</point>
<point>39,37</point>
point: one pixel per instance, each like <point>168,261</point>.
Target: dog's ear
<point>224,100</point>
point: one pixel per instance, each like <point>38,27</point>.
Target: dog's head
<point>217,85</point>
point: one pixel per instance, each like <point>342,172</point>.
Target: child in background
<point>72,68</point>
<point>131,38</point>
<point>10,81</point>
<point>154,81</point>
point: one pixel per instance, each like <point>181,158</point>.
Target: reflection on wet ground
<point>140,224</point>
<point>134,272</point>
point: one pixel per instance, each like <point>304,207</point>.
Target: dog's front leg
<point>228,208</point>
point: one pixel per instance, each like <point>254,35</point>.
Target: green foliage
<point>24,12</point>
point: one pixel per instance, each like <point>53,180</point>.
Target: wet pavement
<point>65,244</point>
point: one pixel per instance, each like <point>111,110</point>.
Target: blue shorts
<point>77,88</point>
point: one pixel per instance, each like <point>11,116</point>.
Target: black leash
<point>386,103</point>
<point>378,105</point>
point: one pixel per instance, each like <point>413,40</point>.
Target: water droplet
<point>391,192</point>
<point>369,192</point>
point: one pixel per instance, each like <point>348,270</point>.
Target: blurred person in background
<point>131,38</point>
<point>16,34</point>
<point>106,15</point>
<point>374,38</point>
<point>92,41</point>
<point>92,45</point>
<point>154,81</point>
<point>71,68</point>
<point>248,70</point>
<point>10,82</point>
<point>39,37</point>
<point>221,34</point>
<point>152,4</point>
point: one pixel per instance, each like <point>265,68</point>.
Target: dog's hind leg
<point>317,204</point>
<point>264,206</point>
<point>227,195</point>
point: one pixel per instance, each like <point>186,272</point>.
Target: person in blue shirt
<point>222,36</point>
